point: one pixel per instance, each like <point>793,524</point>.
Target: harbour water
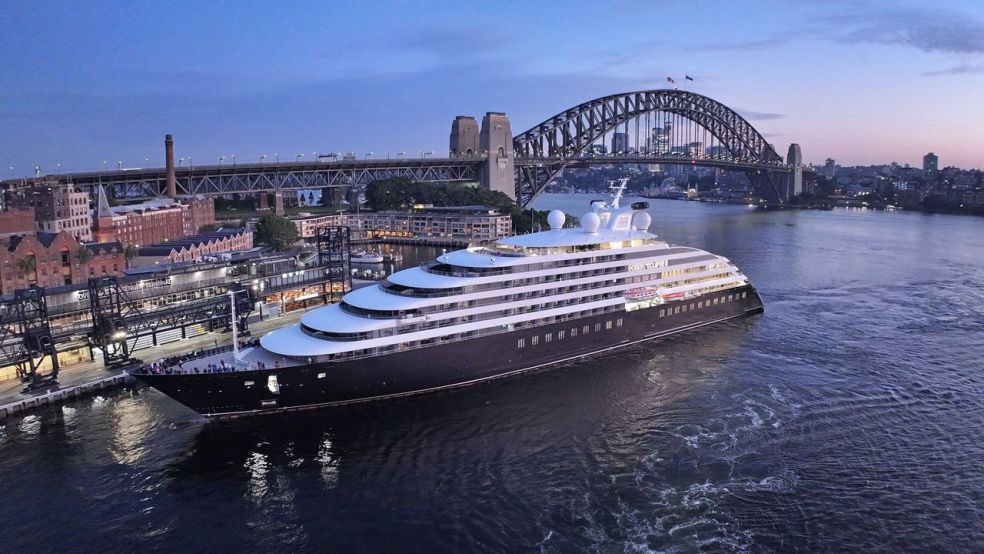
<point>849,416</point>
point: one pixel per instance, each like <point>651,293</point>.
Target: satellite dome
<point>590,222</point>
<point>642,221</point>
<point>556,219</point>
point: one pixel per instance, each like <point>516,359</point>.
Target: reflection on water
<point>848,417</point>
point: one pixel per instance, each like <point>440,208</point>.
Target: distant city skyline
<point>858,82</point>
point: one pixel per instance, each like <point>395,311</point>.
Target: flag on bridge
<point>689,78</point>
<point>670,80</point>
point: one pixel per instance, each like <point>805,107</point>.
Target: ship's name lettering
<point>649,265</point>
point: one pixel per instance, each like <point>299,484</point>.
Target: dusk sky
<point>862,82</point>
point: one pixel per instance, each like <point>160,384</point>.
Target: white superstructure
<point>611,262</point>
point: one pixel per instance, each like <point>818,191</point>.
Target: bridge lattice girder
<point>255,178</point>
<point>571,132</point>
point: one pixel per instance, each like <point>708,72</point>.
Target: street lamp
<point>180,161</point>
<point>262,157</point>
<point>368,155</point>
<point>276,157</point>
<point>119,166</point>
<point>298,158</point>
<point>221,159</point>
<point>104,165</point>
<point>428,154</point>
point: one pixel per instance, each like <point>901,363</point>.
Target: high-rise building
<point>829,168</point>
<point>931,163</point>
<point>661,139</point>
<point>620,143</point>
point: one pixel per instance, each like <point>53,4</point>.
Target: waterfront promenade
<point>87,374</point>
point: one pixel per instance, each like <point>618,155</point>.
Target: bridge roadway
<point>263,177</point>
<point>287,176</point>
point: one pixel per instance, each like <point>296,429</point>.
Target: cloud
<point>750,45</point>
<point>962,69</point>
<point>759,116</point>
<point>930,30</point>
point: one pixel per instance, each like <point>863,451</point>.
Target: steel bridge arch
<point>568,134</point>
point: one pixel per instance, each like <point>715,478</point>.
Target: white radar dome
<point>556,219</point>
<point>642,221</point>
<point>590,222</point>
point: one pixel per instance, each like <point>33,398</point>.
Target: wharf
<point>87,378</point>
<point>417,241</point>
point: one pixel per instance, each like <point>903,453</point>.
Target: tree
<point>84,255</point>
<point>276,231</point>
<point>27,264</point>
<point>131,251</point>
<point>400,192</point>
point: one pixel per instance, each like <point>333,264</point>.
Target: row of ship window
<point>437,323</point>
<point>700,304</point>
<point>411,345</point>
<point>561,335</point>
<point>446,269</point>
<point>393,288</point>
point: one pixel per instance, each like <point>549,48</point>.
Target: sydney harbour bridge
<point>665,127</point>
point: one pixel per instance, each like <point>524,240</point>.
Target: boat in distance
<point>535,300</point>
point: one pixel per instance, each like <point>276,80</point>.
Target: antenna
<point>617,187</point>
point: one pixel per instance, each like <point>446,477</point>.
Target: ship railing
<point>189,358</point>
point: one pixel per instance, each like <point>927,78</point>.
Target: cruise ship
<point>519,304</point>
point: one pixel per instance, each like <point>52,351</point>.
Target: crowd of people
<point>186,363</point>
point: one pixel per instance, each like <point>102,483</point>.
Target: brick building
<point>16,221</point>
<point>152,221</point>
<point>192,248</point>
<point>458,222</point>
<point>61,207</point>
<point>56,259</point>
<point>199,211</point>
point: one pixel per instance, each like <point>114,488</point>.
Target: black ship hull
<point>445,365</point>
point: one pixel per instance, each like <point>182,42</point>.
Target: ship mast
<point>617,187</point>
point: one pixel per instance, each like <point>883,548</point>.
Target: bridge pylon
<point>496,145</point>
<point>794,159</point>
<point>464,138</point>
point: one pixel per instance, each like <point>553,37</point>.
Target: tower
<point>794,158</point>
<point>496,144</point>
<point>172,189</point>
<point>464,137</point>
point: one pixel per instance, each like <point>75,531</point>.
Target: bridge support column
<point>264,202</point>
<point>278,202</point>
<point>496,144</point>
